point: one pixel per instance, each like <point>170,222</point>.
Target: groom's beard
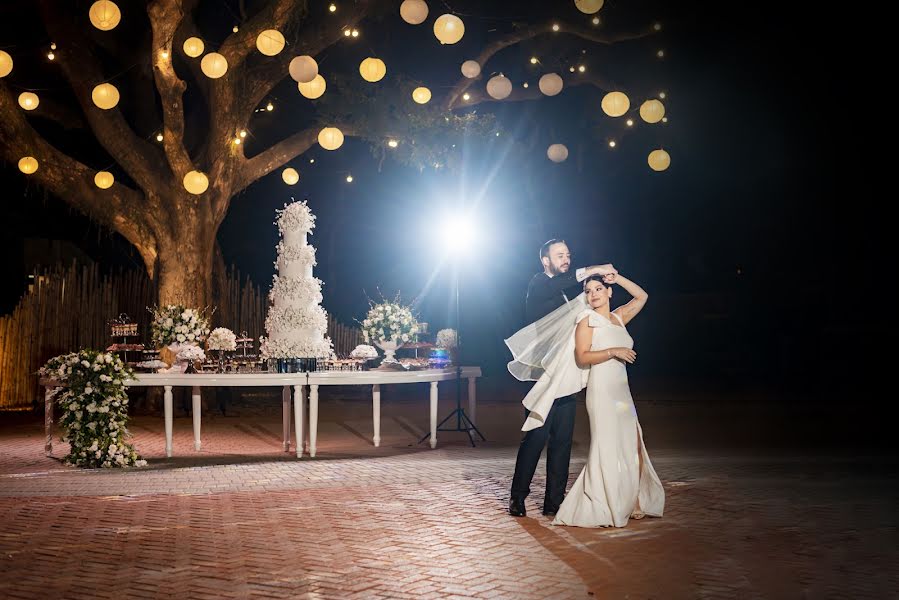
<point>557,271</point>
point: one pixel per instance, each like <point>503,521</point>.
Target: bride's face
<point>597,294</point>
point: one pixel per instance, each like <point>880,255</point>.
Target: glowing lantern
<point>471,69</point>
<point>414,12</point>
<point>104,180</point>
<point>5,63</point>
<point>270,42</point>
<point>28,165</point>
<point>615,104</point>
<point>105,96</point>
<point>589,7</point>
<point>422,95</point>
<point>550,84</point>
<point>104,15</point>
<point>193,47</point>
<point>449,29</point>
<point>330,138</point>
<point>372,69</point>
<point>196,182</point>
<point>652,111</point>
<point>314,89</point>
<point>557,153</point>
<point>214,65</point>
<point>29,100</point>
<point>290,176</point>
<point>303,69</point>
<point>659,160</point>
<point>499,87</point>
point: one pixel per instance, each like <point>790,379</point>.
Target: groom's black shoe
<point>550,512</point>
<point>516,508</point>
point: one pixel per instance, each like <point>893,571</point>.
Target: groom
<point>548,291</point>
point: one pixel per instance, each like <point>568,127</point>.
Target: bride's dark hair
<point>595,278</point>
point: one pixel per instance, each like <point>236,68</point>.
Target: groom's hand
<point>605,270</point>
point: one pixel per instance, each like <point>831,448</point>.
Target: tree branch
<point>272,16</point>
<point>267,161</point>
<point>120,208</point>
<point>519,94</point>
<point>82,72</point>
<point>165,18</point>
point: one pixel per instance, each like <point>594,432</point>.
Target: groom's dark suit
<point>545,294</point>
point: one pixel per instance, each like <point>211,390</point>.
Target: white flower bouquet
<point>447,338</point>
<point>389,321</point>
<point>364,351</point>
<point>175,324</point>
<point>221,338</point>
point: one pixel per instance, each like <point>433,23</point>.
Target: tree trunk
<point>185,262</point>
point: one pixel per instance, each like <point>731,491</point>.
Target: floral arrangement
<point>190,353</point>
<point>175,324</point>
<point>296,216</point>
<point>94,408</point>
<point>221,338</point>
<point>290,318</point>
<point>281,348</point>
<point>447,338</point>
<point>306,290</point>
<point>304,254</point>
<point>364,351</point>
<point>389,321</point>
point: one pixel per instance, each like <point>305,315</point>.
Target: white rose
<point>181,337</point>
<point>168,322</point>
<point>191,336</point>
<point>84,363</point>
<point>91,425</point>
<point>88,390</point>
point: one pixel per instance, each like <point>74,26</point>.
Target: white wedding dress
<point>615,481</point>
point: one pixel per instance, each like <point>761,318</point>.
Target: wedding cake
<point>296,323</point>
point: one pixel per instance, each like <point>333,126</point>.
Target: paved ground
<point>754,510</point>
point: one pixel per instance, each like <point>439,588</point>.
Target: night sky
<point>741,244</point>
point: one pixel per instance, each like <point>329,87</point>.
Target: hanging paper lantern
<point>28,100</point>
<point>557,153</point>
<point>104,180</point>
<point>422,95</point>
<point>314,89</point>
<point>449,29</point>
<point>372,69</point>
<point>5,63</point>
<point>303,69</point>
<point>28,165</point>
<point>499,87</point>
<point>290,176</point>
<point>196,182</point>
<point>270,42</point>
<point>589,7</point>
<point>659,160</point>
<point>652,111</point>
<point>414,12</point>
<point>615,104</point>
<point>193,47</point>
<point>105,96</point>
<point>471,69</point>
<point>550,84</point>
<point>104,15</point>
<point>214,65</point>
<point>330,138</point>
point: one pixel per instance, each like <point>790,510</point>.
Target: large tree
<point>164,91</point>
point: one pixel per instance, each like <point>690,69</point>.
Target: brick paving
<point>241,519</point>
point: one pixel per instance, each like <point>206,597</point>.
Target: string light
<point>53,46</point>
<point>393,143</point>
<point>595,20</point>
<point>333,8</point>
<point>237,141</point>
<point>525,84</point>
<point>466,96</point>
<point>349,179</point>
<point>243,133</point>
<point>158,137</point>
<point>662,95</point>
<point>657,27</point>
<point>533,60</point>
<point>555,27</point>
<point>582,68</point>
<point>311,160</point>
<point>630,122</point>
<point>235,29</point>
<point>571,69</point>
<point>164,54</point>
<point>269,107</point>
<point>347,32</point>
<point>660,54</point>
<point>50,56</point>
<point>612,143</point>
<point>355,33</point>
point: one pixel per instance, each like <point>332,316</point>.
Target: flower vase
<point>389,347</point>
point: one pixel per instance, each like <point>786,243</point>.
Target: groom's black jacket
<point>545,293</point>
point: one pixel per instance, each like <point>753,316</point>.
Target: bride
<point>585,343</point>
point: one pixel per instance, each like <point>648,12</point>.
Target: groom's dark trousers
<point>545,294</point>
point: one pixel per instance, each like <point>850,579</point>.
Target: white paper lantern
<point>471,69</point>
<point>104,15</point>
<point>449,29</point>
<point>551,84</point>
<point>652,111</point>
<point>290,176</point>
<point>104,180</point>
<point>5,63</point>
<point>196,182</point>
<point>330,138</point>
<point>615,104</point>
<point>214,65</point>
<point>270,42</point>
<point>422,95</point>
<point>414,12</point>
<point>589,7</point>
<point>29,100</point>
<point>303,69</point>
<point>659,160</point>
<point>28,165</point>
<point>314,89</point>
<point>557,153</point>
<point>193,47</point>
<point>499,87</point>
<point>105,96</point>
<point>372,69</point>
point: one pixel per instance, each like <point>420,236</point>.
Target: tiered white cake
<point>296,322</point>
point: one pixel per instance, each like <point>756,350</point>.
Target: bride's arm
<point>583,339</point>
<point>632,308</point>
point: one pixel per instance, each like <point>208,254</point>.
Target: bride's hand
<point>610,278</point>
<point>625,355</point>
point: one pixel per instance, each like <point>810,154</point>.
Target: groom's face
<point>559,259</point>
